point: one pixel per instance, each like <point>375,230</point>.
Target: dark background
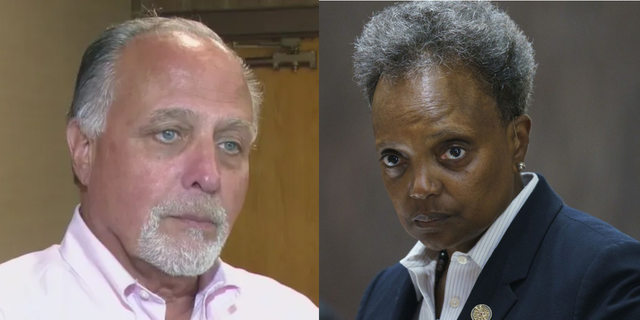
<point>584,138</point>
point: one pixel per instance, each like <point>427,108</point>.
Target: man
<point>159,132</point>
<point>449,84</point>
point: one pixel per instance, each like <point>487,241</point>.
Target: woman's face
<point>447,160</point>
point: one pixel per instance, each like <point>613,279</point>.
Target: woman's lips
<point>431,220</point>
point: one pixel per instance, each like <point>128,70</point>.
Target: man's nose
<point>202,169</point>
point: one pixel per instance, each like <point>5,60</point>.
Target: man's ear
<point>80,147</point>
<point>521,127</point>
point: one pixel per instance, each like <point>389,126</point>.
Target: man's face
<point>445,156</point>
<point>170,172</point>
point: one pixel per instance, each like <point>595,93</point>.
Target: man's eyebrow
<point>235,123</point>
<point>177,113</point>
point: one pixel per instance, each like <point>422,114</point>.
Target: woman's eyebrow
<point>449,132</point>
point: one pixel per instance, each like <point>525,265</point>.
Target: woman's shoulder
<point>588,229</point>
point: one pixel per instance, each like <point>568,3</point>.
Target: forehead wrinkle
<point>431,104</point>
<point>447,92</point>
<point>423,110</point>
<point>230,90</point>
<point>180,60</point>
<point>426,102</point>
<point>426,109</point>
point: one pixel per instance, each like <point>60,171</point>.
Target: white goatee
<point>189,254</point>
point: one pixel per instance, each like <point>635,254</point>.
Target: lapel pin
<point>481,312</point>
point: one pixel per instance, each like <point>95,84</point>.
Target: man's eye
<point>454,153</point>
<point>391,160</point>
<point>230,147</point>
<point>167,136</point>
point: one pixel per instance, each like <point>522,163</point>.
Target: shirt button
<point>454,302</point>
<point>462,260</point>
<point>144,295</point>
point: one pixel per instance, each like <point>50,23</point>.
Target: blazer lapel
<point>495,293</point>
<point>406,302</point>
<point>513,256</point>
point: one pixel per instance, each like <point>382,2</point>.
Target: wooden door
<point>277,232</point>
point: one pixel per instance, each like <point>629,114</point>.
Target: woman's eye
<point>230,147</point>
<point>167,136</point>
<point>391,160</point>
<point>454,153</point>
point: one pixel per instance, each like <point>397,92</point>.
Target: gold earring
<point>521,166</point>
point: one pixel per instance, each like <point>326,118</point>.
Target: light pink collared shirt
<point>81,279</point>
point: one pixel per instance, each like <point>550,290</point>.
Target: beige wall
<point>42,43</point>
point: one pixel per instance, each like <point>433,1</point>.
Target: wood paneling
<point>277,231</point>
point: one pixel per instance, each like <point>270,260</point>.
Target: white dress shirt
<point>81,279</point>
<point>464,268</point>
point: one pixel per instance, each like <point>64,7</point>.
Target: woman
<point>449,84</point>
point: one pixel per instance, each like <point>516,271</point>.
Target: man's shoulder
<point>23,274</point>
<point>42,285</point>
<point>270,293</point>
<point>30,264</point>
<point>253,283</point>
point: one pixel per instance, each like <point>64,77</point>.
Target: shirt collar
<point>420,256</point>
<point>483,249</point>
<point>92,261</point>
<point>221,275</point>
<point>100,270</point>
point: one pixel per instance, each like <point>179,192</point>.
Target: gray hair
<point>95,83</point>
<point>476,36</point>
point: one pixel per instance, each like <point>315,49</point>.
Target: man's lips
<point>195,220</point>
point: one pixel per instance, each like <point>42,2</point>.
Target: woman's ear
<point>521,128</point>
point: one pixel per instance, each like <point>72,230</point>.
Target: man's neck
<point>178,293</point>
<point>168,287</point>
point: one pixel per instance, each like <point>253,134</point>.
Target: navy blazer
<point>553,262</point>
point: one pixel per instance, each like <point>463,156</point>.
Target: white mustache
<point>200,207</point>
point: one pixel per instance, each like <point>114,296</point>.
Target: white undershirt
<point>464,268</point>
